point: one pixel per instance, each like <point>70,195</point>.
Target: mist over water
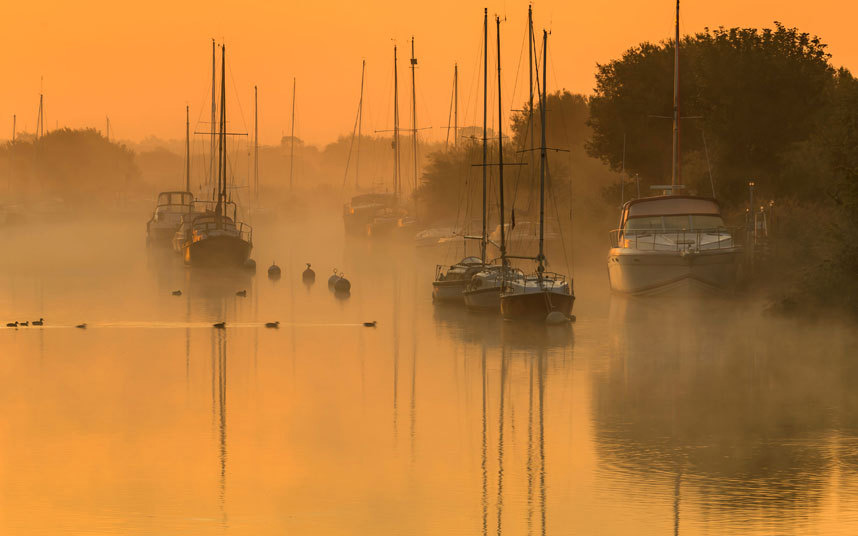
<point>644,416</point>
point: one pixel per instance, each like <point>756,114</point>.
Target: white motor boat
<point>673,244</point>
<point>450,282</point>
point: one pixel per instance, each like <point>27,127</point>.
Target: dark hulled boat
<point>213,237</point>
<point>534,297</point>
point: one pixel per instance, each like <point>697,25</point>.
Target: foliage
<point>752,93</point>
<point>79,166</point>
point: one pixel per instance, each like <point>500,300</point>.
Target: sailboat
<point>392,219</point>
<point>451,282</point>
<point>673,243</point>
<point>535,296</point>
<point>172,206</point>
<point>215,237</point>
<point>482,292</point>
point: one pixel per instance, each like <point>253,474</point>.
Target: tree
<point>752,93</point>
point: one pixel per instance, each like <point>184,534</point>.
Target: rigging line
<point>351,145</point>
<point>450,116</point>
<point>518,68</point>
<point>476,86</point>
<point>237,100</point>
<point>559,226</point>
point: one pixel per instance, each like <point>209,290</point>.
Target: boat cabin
<point>172,203</point>
<point>671,213</point>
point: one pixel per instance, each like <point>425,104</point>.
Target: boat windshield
<point>676,222</point>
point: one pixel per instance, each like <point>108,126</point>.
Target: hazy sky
<point>142,62</point>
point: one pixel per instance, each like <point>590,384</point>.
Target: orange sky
<point>141,62</point>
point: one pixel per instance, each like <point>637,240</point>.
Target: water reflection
<point>740,408</point>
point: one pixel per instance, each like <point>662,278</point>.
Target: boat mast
<point>256,144</point>
<point>221,149</point>
<point>397,177</point>
<point>187,148</point>
<point>542,160</point>
<point>455,104</point>
<point>292,137</point>
<point>483,240</point>
<point>360,118</point>
<point>500,154</point>
<point>213,120</point>
<point>530,69</point>
<point>414,113</point>
<point>676,178</point>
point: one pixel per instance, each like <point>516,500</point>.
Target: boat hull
<point>644,273</point>
<point>448,291</point>
<point>535,305</point>
<point>227,251</point>
<point>160,236</point>
<point>483,299</point>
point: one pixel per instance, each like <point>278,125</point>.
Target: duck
<point>39,322</point>
<point>272,324</point>
<point>242,293</point>
<point>219,325</point>
<point>369,324</point>
<point>81,326</point>
<point>25,323</point>
<point>308,275</point>
<point>177,293</point>
<point>12,324</point>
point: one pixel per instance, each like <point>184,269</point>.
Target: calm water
<point>644,417</point>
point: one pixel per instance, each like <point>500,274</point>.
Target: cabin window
<point>680,222</point>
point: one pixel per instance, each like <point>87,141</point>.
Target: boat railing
<point>207,225</point>
<point>674,239</point>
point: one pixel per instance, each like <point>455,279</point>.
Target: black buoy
<point>273,271</point>
<point>332,281</point>
<point>272,324</point>
<point>177,293</point>
<point>241,293</point>
<point>342,284</point>
<point>250,265</point>
<point>308,276</point>
<point>219,325</point>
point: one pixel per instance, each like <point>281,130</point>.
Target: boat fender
<point>556,317</point>
<point>343,285</point>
